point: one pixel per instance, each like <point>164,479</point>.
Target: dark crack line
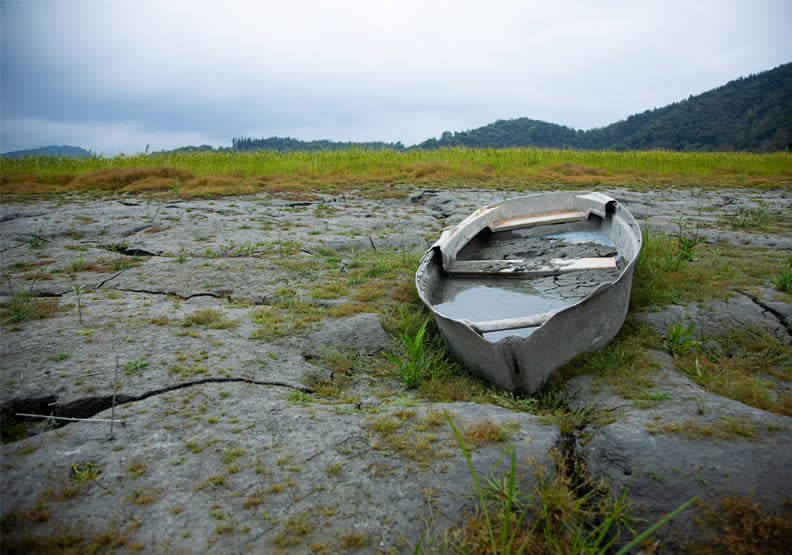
<point>12,247</point>
<point>108,279</point>
<point>220,211</point>
<point>574,467</point>
<point>106,401</point>
<point>17,216</point>
<point>137,229</point>
<point>67,291</point>
<point>780,317</point>
<point>86,408</point>
<point>173,293</point>
<point>183,385</point>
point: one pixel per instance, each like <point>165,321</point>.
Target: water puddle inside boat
<point>486,299</point>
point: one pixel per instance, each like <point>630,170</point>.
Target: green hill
<point>510,133</point>
<point>54,150</point>
<point>752,113</point>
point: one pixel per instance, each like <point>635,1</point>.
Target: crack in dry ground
<point>88,407</point>
<point>782,319</point>
<point>230,422</point>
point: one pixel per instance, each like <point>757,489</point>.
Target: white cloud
<point>380,70</point>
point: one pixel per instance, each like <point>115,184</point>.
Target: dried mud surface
<point>226,446</point>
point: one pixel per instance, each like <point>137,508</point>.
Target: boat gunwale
<point>609,206</point>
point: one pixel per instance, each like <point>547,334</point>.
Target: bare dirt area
<point>238,343</point>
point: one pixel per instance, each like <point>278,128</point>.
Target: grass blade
<point>475,479</point>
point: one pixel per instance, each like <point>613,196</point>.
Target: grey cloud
<point>363,70</point>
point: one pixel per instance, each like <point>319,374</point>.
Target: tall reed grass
<point>240,173</point>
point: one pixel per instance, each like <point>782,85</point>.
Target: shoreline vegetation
<point>377,173</point>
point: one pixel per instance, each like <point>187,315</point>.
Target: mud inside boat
<point>497,296</point>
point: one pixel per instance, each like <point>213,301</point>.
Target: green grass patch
<point>725,428</point>
<point>752,367</point>
<point>739,524</point>
<point>783,279</point>
<point>763,218</point>
<point>565,512</point>
<point>211,317</point>
<point>285,317</point>
<point>135,367</point>
<point>214,174</point>
<point>624,363</point>
<point>668,273</point>
<point>22,305</point>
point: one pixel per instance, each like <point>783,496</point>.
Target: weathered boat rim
<point>597,203</point>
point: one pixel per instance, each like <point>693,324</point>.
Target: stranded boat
<point>519,288</point>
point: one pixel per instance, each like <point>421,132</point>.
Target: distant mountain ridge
<point>52,150</point>
<point>752,113</point>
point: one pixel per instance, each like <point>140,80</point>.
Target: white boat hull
<point>523,363</point>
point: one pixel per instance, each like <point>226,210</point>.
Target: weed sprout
<point>412,370</point>
<point>783,281</point>
<point>680,338</point>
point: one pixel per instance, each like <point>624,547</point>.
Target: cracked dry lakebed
<point>239,346</point>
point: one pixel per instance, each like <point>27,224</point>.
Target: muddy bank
<point>242,341</point>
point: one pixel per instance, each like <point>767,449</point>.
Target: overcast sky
<point>114,76</point>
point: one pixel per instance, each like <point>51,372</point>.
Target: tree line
<point>287,144</point>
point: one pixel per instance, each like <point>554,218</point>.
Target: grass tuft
<point>210,317</point>
<point>783,280</point>
<point>739,525</point>
<point>413,366</point>
<point>724,428</point>
<point>562,514</point>
<point>680,338</point>
<point>485,431</point>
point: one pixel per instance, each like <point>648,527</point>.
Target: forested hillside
<point>510,133</point>
<point>752,113</point>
